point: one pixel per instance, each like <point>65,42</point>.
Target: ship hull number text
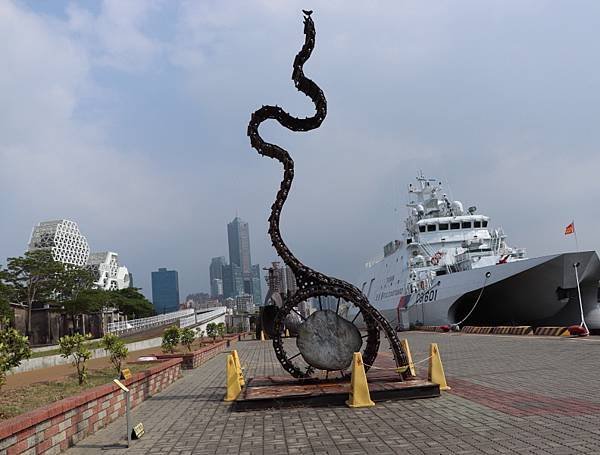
<point>427,296</point>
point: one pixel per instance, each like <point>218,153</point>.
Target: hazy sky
<point>130,117</point>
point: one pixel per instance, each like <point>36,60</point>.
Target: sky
<point>129,117</point>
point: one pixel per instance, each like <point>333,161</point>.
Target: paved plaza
<point>526,395</point>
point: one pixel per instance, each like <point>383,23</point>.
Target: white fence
<point>187,321</point>
<point>202,318</point>
<point>137,325</point>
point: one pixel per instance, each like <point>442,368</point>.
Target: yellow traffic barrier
<point>287,333</point>
<point>262,335</point>
<point>234,387</point>
<point>411,364</point>
<point>435,373</point>
<point>359,388</point>
<point>238,366</point>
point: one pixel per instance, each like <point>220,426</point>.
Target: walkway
<point>509,395</point>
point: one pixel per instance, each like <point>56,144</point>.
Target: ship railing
<point>374,261</point>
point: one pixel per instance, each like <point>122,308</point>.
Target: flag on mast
<point>570,229</point>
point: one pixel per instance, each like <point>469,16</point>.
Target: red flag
<point>570,229</point>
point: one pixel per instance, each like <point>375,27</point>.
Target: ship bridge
<point>453,229</point>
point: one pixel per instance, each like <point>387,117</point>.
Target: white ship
<point>451,267</point>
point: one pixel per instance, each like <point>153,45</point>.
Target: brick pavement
<point>512,395</point>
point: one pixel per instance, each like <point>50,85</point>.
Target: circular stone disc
<point>328,341</point>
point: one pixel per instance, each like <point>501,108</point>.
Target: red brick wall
<point>53,428</point>
<point>196,358</point>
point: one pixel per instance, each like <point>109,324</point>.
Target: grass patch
<point>24,399</point>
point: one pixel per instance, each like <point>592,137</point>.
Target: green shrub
<point>74,346</point>
<point>212,331</point>
<point>188,335</point>
<point>221,329</point>
<point>14,348</point>
<point>117,349</point>
<point>170,339</point>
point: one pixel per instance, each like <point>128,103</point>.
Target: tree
<point>188,335</point>
<point>5,311</point>
<point>34,277</point>
<point>170,339</point>
<point>131,302</point>
<point>221,329</point>
<point>73,280</point>
<point>117,349</point>
<point>212,331</point>
<point>14,348</point>
<point>86,301</point>
<point>74,346</point>
<point>6,293</point>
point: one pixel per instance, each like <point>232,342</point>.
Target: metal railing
<point>202,318</point>
<point>136,325</point>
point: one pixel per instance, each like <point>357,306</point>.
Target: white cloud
<point>53,163</point>
<point>116,34</point>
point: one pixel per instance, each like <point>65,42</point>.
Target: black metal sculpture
<point>310,282</point>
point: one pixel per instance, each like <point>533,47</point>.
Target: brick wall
<point>53,428</point>
<point>196,358</point>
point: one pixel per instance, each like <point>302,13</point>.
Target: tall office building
<point>165,291</point>
<point>216,288</point>
<point>216,273</point>
<point>233,281</point>
<point>256,291</point>
<point>238,236</point>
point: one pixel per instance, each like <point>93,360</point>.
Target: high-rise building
<point>256,291</point>
<point>244,303</point>
<point>109,275</point>
<point>165,290</point>
<point>233,282</point>
<point>238,236</point>
<point>280,279</point>
<point>216,288</point>
<point>216,269</point>
<point>63,239</point>
<point>69,246</point>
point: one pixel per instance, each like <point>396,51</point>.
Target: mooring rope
<point>487,275</point>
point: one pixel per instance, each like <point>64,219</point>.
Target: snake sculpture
<point>313,284</point>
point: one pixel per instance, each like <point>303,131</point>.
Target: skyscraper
<point>256,291</point>
<point>238,236</point>
<point>165,290</point>
<point>216,288</point>
<point>233,282</point>
<point>216,273</point>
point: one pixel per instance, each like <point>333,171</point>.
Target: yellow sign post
<point>125,374</point>
<point>127,409</point>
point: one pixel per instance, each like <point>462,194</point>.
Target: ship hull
<point>538,292</point>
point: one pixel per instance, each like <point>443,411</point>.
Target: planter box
<point>194,359</point>
<point>57,426</point>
